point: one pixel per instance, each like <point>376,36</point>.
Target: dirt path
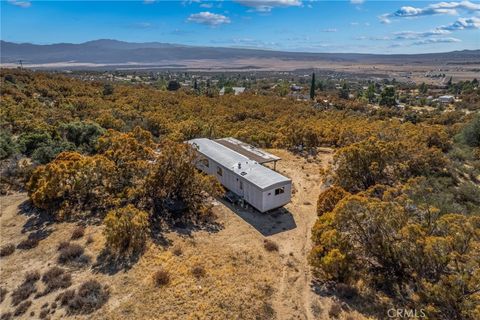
<point>294,297</point>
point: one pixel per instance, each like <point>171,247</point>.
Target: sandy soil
<point>242,279</point>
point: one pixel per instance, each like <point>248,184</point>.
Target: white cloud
<point>208,18</point>
<point>432,9</point>
<point>330,30</point>
<point>268,5</point>
<point>357,1</point>
<point>406,35</point>
<point>435,40</point>
<point>22,4</point>
<point>206,5</point>
<point>462,23</point>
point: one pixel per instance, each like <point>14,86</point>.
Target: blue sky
<point>290,25</point>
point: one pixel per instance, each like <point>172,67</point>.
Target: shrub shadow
<point>109,263</point>
<point>38,222</point>
<point>350,299</point>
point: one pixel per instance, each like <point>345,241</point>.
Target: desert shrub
<point>65,297</point>
<point>7,250</point>
<point>56,278</point>
<point>48,151</point>
<point>394,246</point>
<point>3,294</point>
<point>88,298</point>
<point>328,199</point>
<point>23,292</point>
<point>161,277</point>
<point>269,245</point>
<point>361,165</point>
<point>89,240</point>
<point>77,233</point>
<point>7,145</point>
<point>73,254</point>
<point>126,229</point>
<point>72,183</point>
<point>335,310</point>
<point>198,271</point>
<point>26,289</point>
<point>177,251</point>
<point>62,245</point>
<point>470,135</point>
<point>28,244</point>
<point>32,276</point>
<point>6,316</point>
<point>83,135</point>
<point>43,313</point>
<point>22,308</point>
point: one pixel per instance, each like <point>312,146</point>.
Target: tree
<point>423,88</point>
<point>177,189</point>
<point>328,199</point>
<point>470,135</point>
<point>387,97</point>
<point>312,87</point>
<point>344,92</point>
<point>107,89</point>
<point>173,85</point>
<point>370,93</point>
<point>126,230</point>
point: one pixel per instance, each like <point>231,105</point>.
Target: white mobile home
<point>262,188</point>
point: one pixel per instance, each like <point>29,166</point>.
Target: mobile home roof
<point>250,170</point>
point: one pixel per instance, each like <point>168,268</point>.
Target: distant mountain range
<point>113,53</point>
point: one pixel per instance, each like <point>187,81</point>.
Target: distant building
<point>236,90</point>
<point>294,87</point>
<point>238,167</point>
<point>446,99</point>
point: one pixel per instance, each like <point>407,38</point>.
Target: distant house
<point>446,99</point>
<point>294,87</point>
<point>236,90</point>
<point>238,167</point>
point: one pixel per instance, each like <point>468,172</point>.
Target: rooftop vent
<point>243,173</point>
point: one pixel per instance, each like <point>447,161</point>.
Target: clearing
<point>241,279</point>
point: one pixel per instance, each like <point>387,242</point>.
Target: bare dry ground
<point>242,280</point>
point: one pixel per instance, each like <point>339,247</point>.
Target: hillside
<point>114,54</point>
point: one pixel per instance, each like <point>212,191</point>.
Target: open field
<point>242,280</point>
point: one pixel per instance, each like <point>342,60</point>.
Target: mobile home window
<point>279,191</point>
<point>241,185</point>
<point>219,171</point>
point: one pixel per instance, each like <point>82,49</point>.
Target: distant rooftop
<point>249,169</point>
